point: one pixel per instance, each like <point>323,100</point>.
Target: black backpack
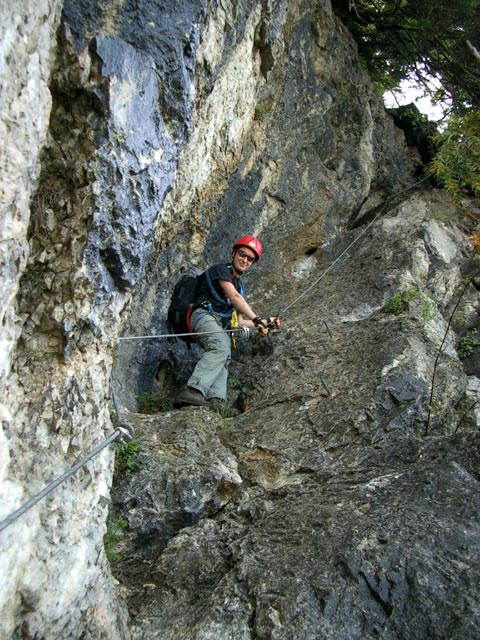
<point>181,304</point>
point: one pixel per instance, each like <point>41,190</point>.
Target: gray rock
<point>380,542</point>
<point>138,137</point>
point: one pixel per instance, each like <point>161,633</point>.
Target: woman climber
<point>221,302</point>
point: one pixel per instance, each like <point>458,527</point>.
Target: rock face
<point>357,512</point>
<point>343,501</point>
<point>374,550</point>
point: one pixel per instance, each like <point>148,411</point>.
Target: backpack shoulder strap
<point>215,295</point>
<point>241,288</point>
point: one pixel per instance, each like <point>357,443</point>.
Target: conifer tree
<point>425,40</point>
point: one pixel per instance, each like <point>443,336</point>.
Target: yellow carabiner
<point>234,324</point>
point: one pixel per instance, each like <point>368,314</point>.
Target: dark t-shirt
<point>216,273</point>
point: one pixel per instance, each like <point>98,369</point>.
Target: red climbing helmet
<point>252,243</point>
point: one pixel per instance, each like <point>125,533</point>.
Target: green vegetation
<point>153,403</point>
<point>457,164</point>
<point>225,413</point>
<point>421,39</point>
<point>223,425</point>
<point>236,383</point>
<point>467,344</point>
<point>224,419</point>
<point>115,529</point>
<point>261,112</point>
<point>396,304</point>
<point>446,214</point>
<point>127,457</point>
<point>400,302</point>
<point>434,44</point>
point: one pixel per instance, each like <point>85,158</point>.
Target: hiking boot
<point>216,403</point>
<point>190,397</point>
<point>221,407</point>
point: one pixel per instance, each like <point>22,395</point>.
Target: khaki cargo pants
<point>211,371</point>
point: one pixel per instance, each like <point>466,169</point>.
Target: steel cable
<point>338,258</point>
<point>244,330</point>
<point>120,431</point>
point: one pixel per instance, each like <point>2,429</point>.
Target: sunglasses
<point>244,254</point>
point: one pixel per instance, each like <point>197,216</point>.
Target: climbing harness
<point>223,310</point>
<point>183,304</point>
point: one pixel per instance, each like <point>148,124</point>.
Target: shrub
<point>457,164</point>
<point>467,344</point>
<point>115,529</point>
<point>153,403</point>
<point>127,457</point>
<point>400,302</point>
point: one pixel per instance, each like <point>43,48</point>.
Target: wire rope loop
<point>126,433</point>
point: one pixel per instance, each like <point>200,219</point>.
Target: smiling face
<point>242,259</point>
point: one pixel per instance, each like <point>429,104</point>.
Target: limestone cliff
<point>139,136</point>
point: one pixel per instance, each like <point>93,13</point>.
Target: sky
<point>412,92</point>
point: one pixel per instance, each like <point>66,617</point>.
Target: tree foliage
<point>423,39</point>
<point>457,163</point>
